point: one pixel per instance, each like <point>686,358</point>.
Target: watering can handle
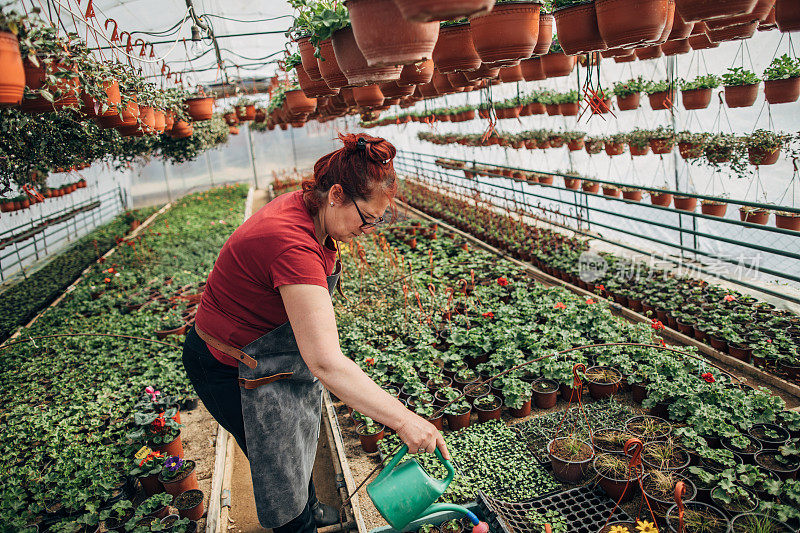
<point>451,473</point>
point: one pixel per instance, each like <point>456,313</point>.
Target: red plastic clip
<point>576,380</point>
<point>680,492</point>
<point>114,34</point>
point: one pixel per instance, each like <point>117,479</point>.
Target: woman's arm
<point>312,318</point>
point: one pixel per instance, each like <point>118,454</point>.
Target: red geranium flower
<point>559,305</point>
<point>488,314</point>
<point>729,297</point>
<point>502,281</point>
<point>590,301</point>
<point>600,287</point>
<point>107,280</point>
<point>708,377</point>
<point>370,360</point>
<point>657,325</point>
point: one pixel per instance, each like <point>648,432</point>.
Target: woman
<point>265,338</point>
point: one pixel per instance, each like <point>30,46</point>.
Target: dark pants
<point>217,386</point>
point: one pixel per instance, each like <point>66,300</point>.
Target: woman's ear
<point>336,195</point>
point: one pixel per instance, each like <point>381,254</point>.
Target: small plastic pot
<point>567,470</point>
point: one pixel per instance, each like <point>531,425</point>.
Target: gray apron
<point>281,422</point>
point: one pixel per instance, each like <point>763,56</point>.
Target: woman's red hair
<point>362,168</point>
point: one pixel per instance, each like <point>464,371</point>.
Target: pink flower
<point>107,280</point>
<point>502,282</point>
<point>559,305</point>
<point>708,377</point>
<point>589,301</point>
<point>729,297</point>
<point>488,314</point>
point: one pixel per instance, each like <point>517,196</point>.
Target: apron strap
<point>250,384</point>
<point>227,349</point>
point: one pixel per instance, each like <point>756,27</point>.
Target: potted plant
<point>591,186</point>
<point>712,207</point>
<point>783,462</point>
<point>178,475</point>
<point>697,92</point>
<point>545,393</point>
<point>615,476</point>
<point>156,506</point>
<point>457,414</point>
<point>603,381</point>
<point>12,79</point>
<point>698,518</point>
<point>569,456</point>
<point>756,522</point>
<point>593,145</point>
<point>120,513</point>
<point>369,433</point>
<point>578,30</point>
<point>659,487</point>
<point>648,428</point>
<point>639,142</point>
<point>741,87</point>
<point>628,93</point>
<point>517,395</point>
<point>764,147</point>
<point>575,142</point>
<point>662,140</point>
<point>744,446</point>
<point>190,504</point>
<point>782,80</point>
<point>556,62</point>
<point>160,430</point>
<point>611,440</point>
<point>615,144</point>
<point>609,189</point>
<point>665,456</point>
<point>787,220</point>
<point>754,215</point>
<point>691,145</point>
<point>147,470</point>
<point>517,22</point>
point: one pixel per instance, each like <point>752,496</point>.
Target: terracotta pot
<point>763,157</point>
<point>182,483</point>
<point>613,148</point>
<point>537,108</point>
<point>385,37</point>
<point>506,34</point>
<point>782,91</point>
<point>690,150</point>
<point>92,107</point>
<point>124,117</point>
<point>456,422</point>
<point>329,66</point>
<point>200,108</point>
<point>578,30</point>
<point>714,210</point>
<point>787,222</point>
<point>754,217</point>
<point>552,110</point>
<point>569,109</point>
<point>699,40</point>
<point>455,51</point>
<point>547,400</point>
<point>593,188</point>
<point>696,98</point>
<point>631,22</point>
<point>661,146</point>
<point>521,412</point>
<point>299,104</point>
<point>733,33</point>
<point>545,37</point>
<point>309,61</point>
<point>672,48</point>
<point>416,73</point>
<point>511,74</point>
<point>695,10</point>
<point>635,196</point>
<point>427,10</point>
<point>685,203</point>
<point>668,24</point>
<point>568,471</point>
<point>175,447</point>
<point>787,15</point>
<point>354,64</point>
<point>574,145</point>
<point>151,485</point>
<point>741,95</point>
<point>12,72</point>
<point>312,88</point>
<point>190,509</point>
<point>636,150</point>
<point>35,78</point>
<point>680,28</point>
<point>368,96</point>
<point>648,52</point>
<point>629,58</point>
<point>369,443</point>
<point>628,103</point>
<point>662,100</point>
<point>612,192</point>
<point>759,13</point>
<point>558,64</point>
<point>531,69</point>
<point>768,23</point>
<point>181,129</point>
<point>159,121</point>
<point>147,119</point>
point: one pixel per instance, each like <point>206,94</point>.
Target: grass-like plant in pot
<point>660,489</point>
<point>616,476</point>
<point>603,380</point>
<point>648,428</point>
<point>741,87</point>
<point>569,456</point>
<point>698,518</point>
<point>782,80</point>
<point>666,455</point>
<point>758,523</point>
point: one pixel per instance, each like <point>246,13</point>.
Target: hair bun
<point>376,149</point>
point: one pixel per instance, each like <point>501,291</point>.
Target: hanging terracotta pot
<point>631,22</point>
<point>386,38</point>
<point>662,100</point>
<point>578,30</point>
<point>760,156</point>
<point>696,10</point>
<point>685,203</point>
<point>648,52</point>
<point>789,221</point>
<point>392,90</point>
<point>354,64</point>
<point>329,66</point>
<point>768,23</point>
<point>673,48</point>
<point>568,109</point>
<point>787,15</point>
<point>661,146</point>
<point>680,28</point>
<point>558,64</point>
<point>159,121</point>
<point>754,216</point>
<point>312,88</point>
<point>629,58</point>
<point>459,80</point>
<point>507,34</point>
<point>147,119</point>
<point>759,13</point>
<point>613,148</point>
<point>782,91</point>
<point>12,72</point>
<point>552,110</point>
<point>537,108</point>
<point>310,64</point>
<point>545,38</point>
<point>169,121</point>
<point>126,116</point>
<point>181,129</point>
<point>484,72</point>
<point>92,108</point>
<point>246,112</point>
<point>532,69</point>
<point>733,33</point>
<point>741,95</point>
<point>699,40</point>
<point>511,74</point>
<point>696,98</point>
<point>639,150</point>
<point>441,83</point>
<point>368,96</point>
<point>455,50</point>
<point>36,78</point>
<point>200,108</point>
<point>428,10</point>
<point>660,199</point>
<point>428,90</point>
<point>416,73</point>
<point>668,25</point>
<point>299,104</point>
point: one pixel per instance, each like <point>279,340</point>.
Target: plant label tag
<point>143,452</point>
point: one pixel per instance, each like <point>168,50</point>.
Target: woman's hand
<point>421,436</point>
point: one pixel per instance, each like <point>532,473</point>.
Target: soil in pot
<point>743,446</point>
<point>603,381</point>
<point>615,477</point>
<point>698,518</point>
<point>659,487</point>
<point>545,393</point>
<point>369,436</point>
<point>770,436</point>
<point>570,457</point>
<point>611,440</point>
<point>665,456</point>
<point>488,407</point>
<point>751,522</point>
<point>190,504</point>
<point>648,428</point>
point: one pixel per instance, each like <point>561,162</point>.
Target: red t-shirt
<point>275,246</point>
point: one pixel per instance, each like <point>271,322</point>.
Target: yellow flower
<point>619,529</point>
<point>646,527</point>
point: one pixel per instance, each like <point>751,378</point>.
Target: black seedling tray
<point>584,509</point>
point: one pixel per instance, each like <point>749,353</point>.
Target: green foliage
<point>739,76</point>
<point>782,68</point>
<point>627,88</point>
<point>707,81</point>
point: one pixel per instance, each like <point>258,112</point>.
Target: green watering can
<point>406,493</point>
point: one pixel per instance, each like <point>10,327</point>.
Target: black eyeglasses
<point>365,224</point>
